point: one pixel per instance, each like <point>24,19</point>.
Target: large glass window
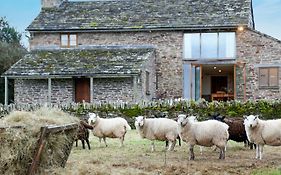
<point>268,77</point>
<point>209,45</point>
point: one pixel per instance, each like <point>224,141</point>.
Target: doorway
<point>82,90</point>
<point>218,84</point>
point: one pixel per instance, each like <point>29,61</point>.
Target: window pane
<point>64,40</point>
<point>209,45</point>
<point>192,45</point>
<point>73,40</point>
<point>263,78</point>
<point>227,45</point>
<point>273,76</point>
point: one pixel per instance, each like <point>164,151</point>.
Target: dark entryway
<point>218,83</point>
<point>82,90</point>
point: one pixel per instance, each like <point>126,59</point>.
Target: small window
<point>68,40</point>
<point>268,77</point>
<point>147,83</point>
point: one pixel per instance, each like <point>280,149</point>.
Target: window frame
<point>268,86</point>
<point>147,82</point>
<point>187,46</point>
<point>68,40</point>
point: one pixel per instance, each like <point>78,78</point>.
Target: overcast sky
<point>20,13</point>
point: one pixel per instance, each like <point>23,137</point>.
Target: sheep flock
<point>213,132</point>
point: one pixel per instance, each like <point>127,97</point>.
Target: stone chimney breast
<point>51,3</point>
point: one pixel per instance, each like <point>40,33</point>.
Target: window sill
<point>268,87</point>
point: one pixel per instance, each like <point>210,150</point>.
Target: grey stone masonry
<point>256,50</point>
<point>35,91</point>
<point>113,89</point>
<point>169,46</point>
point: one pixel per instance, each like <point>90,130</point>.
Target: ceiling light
<point>215,67</point>
<point>240,28</point>
<point>219,71</point>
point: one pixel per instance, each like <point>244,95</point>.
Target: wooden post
<point>91,90</point>
<point>49,91</point>
<point>244,77</point>
<point>37,155</point>
<point>6,90</point>
<point>135,86</point>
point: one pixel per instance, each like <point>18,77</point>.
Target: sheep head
<point>92,118</point>
<point>251,121</point>
<point>182,120</point>
<point>139,121</point>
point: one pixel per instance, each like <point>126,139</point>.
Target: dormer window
<point>68,40</point>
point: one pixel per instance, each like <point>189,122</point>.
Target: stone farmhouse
<point>133,50</point>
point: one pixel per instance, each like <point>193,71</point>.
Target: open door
<point>82,90</point>
<point>192,81</point>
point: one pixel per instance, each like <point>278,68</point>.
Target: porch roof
<point>90,61</point>
<point>144,15</point>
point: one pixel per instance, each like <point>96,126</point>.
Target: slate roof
<point>98,61</point>
<point>144,15</point>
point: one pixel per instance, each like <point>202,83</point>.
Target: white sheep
<point>112,127</point>
<point>162,129</point>
<point>262,132</point>
<point>205,133</point>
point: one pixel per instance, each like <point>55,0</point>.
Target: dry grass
<point>18,145</point>
<point>136,158</point>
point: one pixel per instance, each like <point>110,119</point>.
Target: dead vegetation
<point>18,145</point>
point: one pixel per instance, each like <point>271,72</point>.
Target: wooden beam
<point>91,90</point>
<point>49,91</point>
<point>6,90</point>
<point>135,86</point>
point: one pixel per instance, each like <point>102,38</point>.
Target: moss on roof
<point>82,62</point>
<point>144,14</point>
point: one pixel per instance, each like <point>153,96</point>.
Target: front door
<point>82,90</point>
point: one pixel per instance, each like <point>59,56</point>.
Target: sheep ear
<point>223,117</point>
<point>244,116</point>
<point>256,116</point>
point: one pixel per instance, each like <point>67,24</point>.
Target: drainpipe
<point>6,90</point>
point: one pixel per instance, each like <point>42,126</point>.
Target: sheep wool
<point>162,129</point>
<point>112,127</point>
<point>205,133</point>
<point>262,132</point>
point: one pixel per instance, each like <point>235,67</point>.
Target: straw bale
<point>18,145</point>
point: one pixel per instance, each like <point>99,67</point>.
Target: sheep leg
<point>257,151</point>
<point>100,142</point>
<point>76,142</point>
<point>104,140</point>
<point>83,144</point>
<point>122,141</point>
<point>201,150</point>
<point>88,143</point>
<point>261,151</point>
<point>222,153</point>
<point>152,146</point>
<point>191,152</point>
<point>172,145</point>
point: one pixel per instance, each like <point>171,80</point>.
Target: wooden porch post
<point>6,90</point>
<point>135,86</point>
<point>91,90</point>
<point>244,77</point>
<point>49,91</point>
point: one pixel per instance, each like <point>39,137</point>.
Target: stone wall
<point>257,50</point>
<point>35,91</point>
<point>113,89</point>
<point>168,53</point>
<point>31,91</point>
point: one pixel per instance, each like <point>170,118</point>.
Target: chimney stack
<point>51,3</point>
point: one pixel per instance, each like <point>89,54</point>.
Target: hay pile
<point>18,145</point>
